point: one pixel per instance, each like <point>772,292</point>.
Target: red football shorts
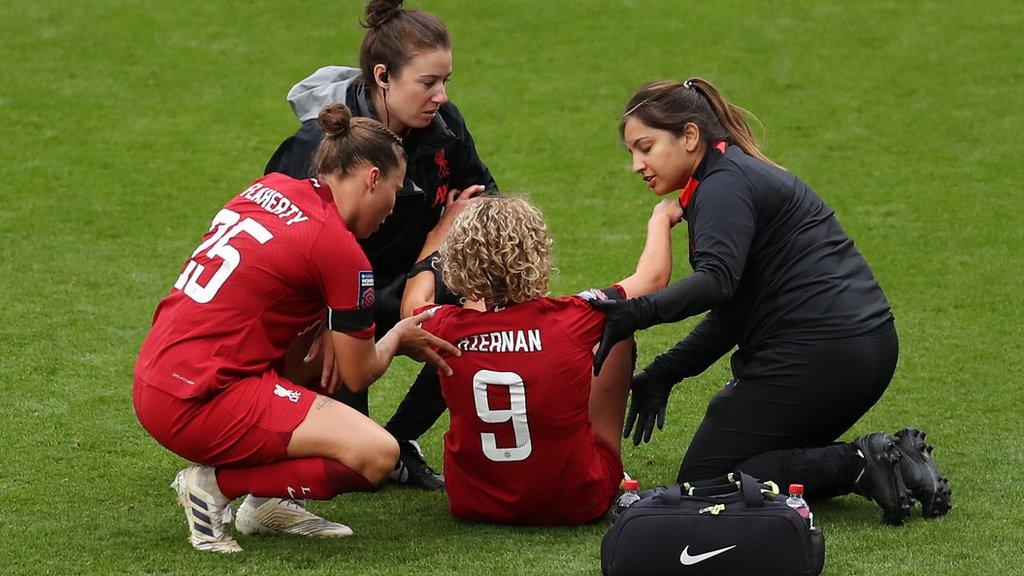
<point>582,496</point>
<point>606,476</point>
<point>249,423</point>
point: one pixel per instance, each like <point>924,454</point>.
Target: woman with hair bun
<point>782,283</point>
<point>534,437</point>
<point>405,62</point>
<point>209,384</point>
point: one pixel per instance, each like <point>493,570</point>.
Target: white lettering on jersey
<point>505,341</point>
<point>274,202</point>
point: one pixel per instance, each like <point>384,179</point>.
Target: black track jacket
<point>442,156</point>
<point>770,262</point>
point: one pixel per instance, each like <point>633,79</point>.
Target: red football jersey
<point>520,448</point>
<point>276,258</point>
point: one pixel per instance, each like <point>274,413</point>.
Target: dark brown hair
<point>669,105</point>
<point>393,34</point>
<point>349,142</point>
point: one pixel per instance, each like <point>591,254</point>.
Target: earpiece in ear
<point>384,76</point>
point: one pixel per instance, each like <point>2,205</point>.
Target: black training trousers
<point>422,406</point>
<point>424,403</point>
<point>780,417</point>
<point>420,409</point>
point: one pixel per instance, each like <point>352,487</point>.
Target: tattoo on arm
<point>322,402</point>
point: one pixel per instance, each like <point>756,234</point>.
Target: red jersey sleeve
<point>346,280</point>
<point>435,324</point>
<point>424,308</point>
<point>581,321</point>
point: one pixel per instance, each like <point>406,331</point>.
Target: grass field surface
<point>124,126</point>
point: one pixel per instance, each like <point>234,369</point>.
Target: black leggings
<point>780,416</point>
<point>422,406</point>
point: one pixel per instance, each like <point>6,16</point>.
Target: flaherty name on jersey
<point>504,341</point>
<point>274,202</point>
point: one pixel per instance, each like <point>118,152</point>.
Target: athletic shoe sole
<point>929,487</point>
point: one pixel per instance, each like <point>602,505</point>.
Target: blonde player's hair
<point>499,251</point>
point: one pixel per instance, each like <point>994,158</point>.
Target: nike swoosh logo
<point>686,560</point>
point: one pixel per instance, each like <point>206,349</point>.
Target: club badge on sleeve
<point>366,294</point>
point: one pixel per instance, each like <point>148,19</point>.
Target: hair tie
<point>688,85</point>
<point>633,109</point>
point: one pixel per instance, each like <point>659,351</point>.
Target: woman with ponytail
<point>405,62</point>
<point>780,282</point>
<point>210,383</point>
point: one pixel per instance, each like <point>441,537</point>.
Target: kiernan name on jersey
<point>505,341</point>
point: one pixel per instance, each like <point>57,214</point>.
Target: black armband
<point>425,264</point>
<point>442,294</point>
<point>349,320</point>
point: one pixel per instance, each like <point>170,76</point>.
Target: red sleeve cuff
<point>364,334</point>
<point>424,308</point>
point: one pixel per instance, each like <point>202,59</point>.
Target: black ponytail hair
<point>669,105</point>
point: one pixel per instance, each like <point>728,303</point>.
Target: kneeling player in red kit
<point>210,383</point>
<point>534,437</point>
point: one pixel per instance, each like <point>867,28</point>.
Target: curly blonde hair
<point>498,251</point>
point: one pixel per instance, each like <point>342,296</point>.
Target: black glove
<point>647,407</point>
<point>621,319</point>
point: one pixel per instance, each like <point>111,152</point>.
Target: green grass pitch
<point>125,125</point>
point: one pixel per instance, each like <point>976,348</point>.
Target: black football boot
<point>881,480</point>
<point>412,468</point>
<point>929,487</point>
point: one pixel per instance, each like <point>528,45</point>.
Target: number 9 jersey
<point>276,259</point>
<point>521,448</point>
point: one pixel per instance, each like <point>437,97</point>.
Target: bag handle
<point>739,483</point>
<point>751,491</point>
<point>717,481</point>
<point>672,495</point>
<point>710,490</point>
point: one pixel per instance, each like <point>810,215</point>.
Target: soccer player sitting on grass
<point>534,438</point>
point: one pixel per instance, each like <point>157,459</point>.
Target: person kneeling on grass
<point>208,385</point>
<point>534,438</point>
<point>814,339</point>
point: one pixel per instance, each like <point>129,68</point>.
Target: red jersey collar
<point>322,190</point>
<point>691,185</point>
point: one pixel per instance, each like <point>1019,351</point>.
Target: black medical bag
<point>732,525</point>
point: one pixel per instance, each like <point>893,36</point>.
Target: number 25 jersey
<point>521,448</point>
<point>276,258</point>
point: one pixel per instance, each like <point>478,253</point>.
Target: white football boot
<point>283,516</point>
<point>206,510</point>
